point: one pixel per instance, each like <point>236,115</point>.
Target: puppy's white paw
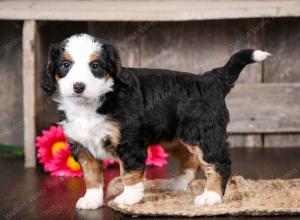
<point>131,195</point>
<point>92,199</point>
<point>208,198</point>
<point>179,183</point>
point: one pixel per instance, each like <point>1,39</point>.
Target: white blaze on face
<point>80,48</point>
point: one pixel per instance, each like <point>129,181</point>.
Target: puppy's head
<point>81,67</point>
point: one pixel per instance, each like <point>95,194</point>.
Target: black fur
<point>163,105</point>
<point>54,60</point>
<point>154,105</point>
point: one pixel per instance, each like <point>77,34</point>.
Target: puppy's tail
<point>229,73</point>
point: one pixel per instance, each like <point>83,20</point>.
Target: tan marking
<point>106,76</point>
<point>112,141</point>
<point>93,57</point>
<point>68,57</point>
<point>213,182</point>
<point>116,132</point>
<point>132,177</point>
<point>186,159</point>
<point>92,169</point>
<point>57,77</point>
<point>49,64</point>
<point>119,65</point>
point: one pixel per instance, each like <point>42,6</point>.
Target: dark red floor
<point>32,194</point>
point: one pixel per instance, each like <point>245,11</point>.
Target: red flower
<point>107,163</point>
<point>64,164</point>
<point>156,156</point>
<point>54,153</point>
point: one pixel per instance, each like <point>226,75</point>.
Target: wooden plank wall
<point>194,46</point>
<point>188,46</point>
<point>201,45</point>
<point>11,89</point>
<point>282,38</point>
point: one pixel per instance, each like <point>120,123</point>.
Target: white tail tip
<point>259,55</point>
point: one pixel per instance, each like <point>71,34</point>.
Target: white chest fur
<point>86,126</point>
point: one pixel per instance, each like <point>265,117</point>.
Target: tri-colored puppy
<point>111,111</point>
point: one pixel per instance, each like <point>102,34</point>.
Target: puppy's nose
<point>78,87</point>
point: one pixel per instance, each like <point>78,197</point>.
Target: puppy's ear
<point>114,64</point>
<point>48,77</point>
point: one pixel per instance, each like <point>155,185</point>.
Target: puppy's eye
<point>64,68</point>
<point>95,66</point>
<point>66,65</point>
<point>96,69</point>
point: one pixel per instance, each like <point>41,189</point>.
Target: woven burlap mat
<point>242,197</point>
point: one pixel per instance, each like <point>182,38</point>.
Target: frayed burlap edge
<point>243,197</point>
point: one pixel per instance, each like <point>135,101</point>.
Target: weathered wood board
<point>245,140</point>
<point>11,89</point>
<point>124,35</point>
<point>264,108</point>
<point>282,39</point>
<point>29,91</point>
<point>200,46</point>
<point>135,10</point>
<point>191,46</point>
<point>281,140</point>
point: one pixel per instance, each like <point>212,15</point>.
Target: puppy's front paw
<point>131,195</point>
<point>208,198</point>
<point>92,199</point>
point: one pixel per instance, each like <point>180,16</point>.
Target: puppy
<point>111,111</point>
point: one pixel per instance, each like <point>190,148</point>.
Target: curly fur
<point>155,105</point>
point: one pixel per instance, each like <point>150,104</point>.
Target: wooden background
<point>194,46</point>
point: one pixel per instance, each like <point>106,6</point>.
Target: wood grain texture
<point>29,94</point>
<point>123,35</point>
<point>282,39</point>
<point>246,140</point>
<point>195,47</point>
<point>200,46</point>
<point>134,10</point>
<point>264,108</point>
<point>11,89</point>
<point>282,140</point>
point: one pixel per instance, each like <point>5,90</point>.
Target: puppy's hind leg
<point>188,167</point>
<point>203,132</point>
<point>217,170</point>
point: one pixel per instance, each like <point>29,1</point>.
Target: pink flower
<point>156,156</point>
<point>107,163</point>
<point>64,164</point>
<point>54,152</point>
<point>49,144</point>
